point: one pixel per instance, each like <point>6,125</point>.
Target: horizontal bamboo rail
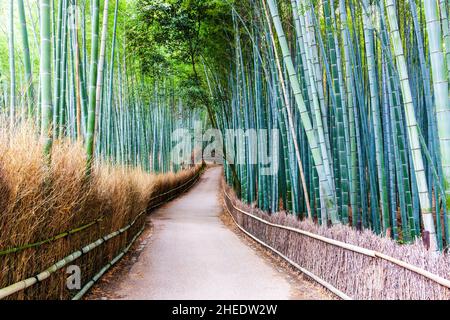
<point>367,252</point>
<point>52,239</point>
<point>327,285</point>
<point>179,187</point>
<point>100,274</point>
<point>193,180</point>
<point>90,224</point>
<point>24,284</point>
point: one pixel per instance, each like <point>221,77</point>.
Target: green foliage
<point>176,37</point>
<point>344,81</point>
<point>193,93</point>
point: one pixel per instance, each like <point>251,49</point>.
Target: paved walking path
<point>193,255</point>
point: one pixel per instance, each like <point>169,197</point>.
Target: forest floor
<point>192,251</point>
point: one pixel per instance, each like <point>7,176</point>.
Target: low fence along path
<point>192,254</point>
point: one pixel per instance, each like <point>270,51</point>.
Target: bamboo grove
<point>358,90</point>
<point>69,71</point>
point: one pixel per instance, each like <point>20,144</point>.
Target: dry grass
<point>359,276</point>
<point>40,200</point>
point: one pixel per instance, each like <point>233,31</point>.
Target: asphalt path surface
<point>193,255</point>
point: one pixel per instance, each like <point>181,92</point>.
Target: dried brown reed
<point>360,277</point>
<point>41,199</point>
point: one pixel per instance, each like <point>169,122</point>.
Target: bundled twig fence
<point>91,256</point>
<point>350,263</point>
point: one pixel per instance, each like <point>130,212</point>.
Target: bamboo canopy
<point>349,98</point>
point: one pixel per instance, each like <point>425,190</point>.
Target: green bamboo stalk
<point>353,161</point>
<point>101,67</point>
<point>411,121</point>
<point>441,91</point>
<point>375,109</point>
<point>443,5</point>
<point>12,67</point>
<point>93,73</point>
<point>45,75</point>
<point>290,121</point>
<point>330,197</point>
<point>26,57</point>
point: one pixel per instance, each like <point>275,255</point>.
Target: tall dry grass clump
<point>358,276</point>
<point>41,199</point>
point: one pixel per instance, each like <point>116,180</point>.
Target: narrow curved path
<point>192,255</point>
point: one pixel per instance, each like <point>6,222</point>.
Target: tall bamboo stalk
<point>101,66</point>
<point>12,67</point>
<point>46,77</point>
<point>413,133</point>
<point>27,58</point>
<point>441,91</point>
<point>93,74</point>
<point>330,197</point>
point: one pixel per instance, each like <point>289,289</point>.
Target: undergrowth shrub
<point>40,199</point>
